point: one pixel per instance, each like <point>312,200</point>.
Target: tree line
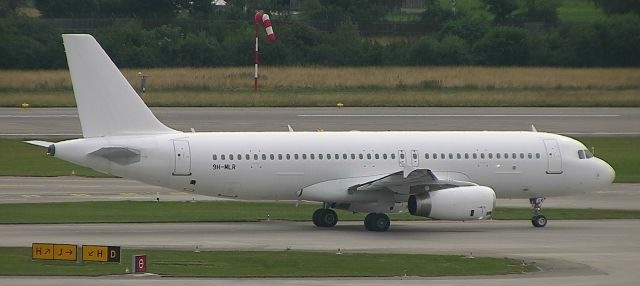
<point>458,39</point>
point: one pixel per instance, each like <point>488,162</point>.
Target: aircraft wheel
<point>539,221</point>
<point>325,218</point>
<point>377,222</point>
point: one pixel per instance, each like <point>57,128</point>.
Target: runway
<point>78,189</point>
<point>64,122</point>
<point>568,252</point>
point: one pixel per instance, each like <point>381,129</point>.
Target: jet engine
<point>460,203</point>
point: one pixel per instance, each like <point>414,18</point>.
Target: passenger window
<point>497,155</point>
<point>264,157</point>
<point>530,156</point>
<point>490,155</point>
<point>401,156</point>
<point>255,157</point>
<point>426,155</point>
<point>442,156</point>
<point>393,156</point>
<point>336,156</point>
<point>319,156</point>
<point>222,157</point>
<point>215,157</point>
<point>458,156</point>
<point>344,156</point>
<point>288,156</point>
<point>466,155</point>
<point>415,156</point>
<point>279,156</point>
<point>481,155</point>
<point>475,156</point>
<point>513,156</point>
<point>435,155</point>
<point>360,156</point>
<point>312,156</point>
<point>521,155</point>
<point>230,156</point>
<point>353,156</point>
<point>377,156</point>
<point>295,156</point>
<point>304,156</point>
<point>369,156</point>
<point>272,157</point>
<point>506,155</point>
<point>328,156</point>
<point>450,155</point>
<point>537,155</point>
<point>239,157</point>
<point>384,156</point>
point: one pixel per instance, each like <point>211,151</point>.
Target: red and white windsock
<point>262,18</point>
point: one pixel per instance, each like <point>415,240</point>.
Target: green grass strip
<point>17,261</point>
<point>231,211</point>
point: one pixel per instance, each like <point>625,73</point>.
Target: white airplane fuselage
<point>277,165</point>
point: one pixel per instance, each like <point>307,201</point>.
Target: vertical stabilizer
<point>107,104</point>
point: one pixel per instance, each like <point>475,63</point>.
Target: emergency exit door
<point>182,158</point>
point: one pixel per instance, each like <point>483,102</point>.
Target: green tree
<point>502,46</point>
<point>618,6</point>
<point>501,9</point>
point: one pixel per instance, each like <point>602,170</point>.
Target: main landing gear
<point>325,217</point>
<point>538,220</point>
<point>377,222</point>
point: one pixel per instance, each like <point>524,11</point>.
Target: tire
<point>316,217</point>
<point>539,221</point>
<point>381,222</point>
<point>377,222</point>
<point>329,218</point>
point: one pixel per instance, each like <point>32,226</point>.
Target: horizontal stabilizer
<point>39,143</point>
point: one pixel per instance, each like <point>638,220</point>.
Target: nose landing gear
<point>538,220</point>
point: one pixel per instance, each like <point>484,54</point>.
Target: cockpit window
<point>588,153</point>
<point>581,154</point>
<point>585,154</point>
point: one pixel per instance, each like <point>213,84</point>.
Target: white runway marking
<point>458,115</point>
<point>39,116</point>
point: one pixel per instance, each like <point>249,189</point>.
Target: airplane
<point>441,175</point>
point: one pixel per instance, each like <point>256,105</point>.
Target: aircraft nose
<point>606,173</point>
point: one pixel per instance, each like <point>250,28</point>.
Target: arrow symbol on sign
<point>46,251</point>
<point>69,252</point>
<point>91,253</point>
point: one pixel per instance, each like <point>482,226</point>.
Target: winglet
<point>39,143</point>
<point>533,128</point>
<point>290,128</point>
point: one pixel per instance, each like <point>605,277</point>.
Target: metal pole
<point>255,62</point>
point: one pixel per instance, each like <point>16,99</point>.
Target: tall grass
<point>229,78</point>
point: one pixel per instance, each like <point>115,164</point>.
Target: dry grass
<point>401,97</point>
<point>355,77</point>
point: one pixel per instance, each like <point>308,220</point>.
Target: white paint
<point>458,115</point>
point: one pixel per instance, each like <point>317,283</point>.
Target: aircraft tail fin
<point>107,104</point>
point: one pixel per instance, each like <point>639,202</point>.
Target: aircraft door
<point>402,158</point>
<point>554,158</point>
<point>182,158</point>
<point>415,157</point>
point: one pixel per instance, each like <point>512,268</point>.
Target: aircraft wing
<point>418,181</point>
<point>356,188</point>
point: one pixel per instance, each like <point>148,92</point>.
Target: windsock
<point>262,18</point>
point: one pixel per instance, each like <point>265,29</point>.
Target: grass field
<point>21,159</point>
<point>233,211</point>
<point>17,261</point>
<point>356,86</point>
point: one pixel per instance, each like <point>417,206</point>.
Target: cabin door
<point>182,158</point>
<point>554,158</point>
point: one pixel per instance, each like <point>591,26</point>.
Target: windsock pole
<point>256,56</point>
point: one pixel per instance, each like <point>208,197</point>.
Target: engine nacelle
<point>461,203</point>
